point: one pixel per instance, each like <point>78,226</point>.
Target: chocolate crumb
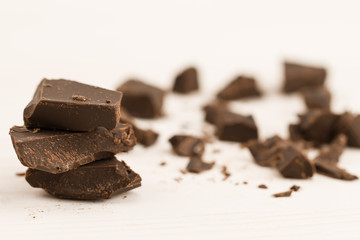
<point>162,163</point>
<point>225,172</point>
<point>34,217</point>
<point>262,186</point>
<point>79,98</point>
<point>108,101</point>
<point>183,171</point>
<point>295,188</point>
<point>178,179</point>
<point>283,194</point>
<point>36,130</point>
<point>20,174</point>
<point>245,182</point>
<point>124,197</point>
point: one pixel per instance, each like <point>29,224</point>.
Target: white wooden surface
<point>103,43</point>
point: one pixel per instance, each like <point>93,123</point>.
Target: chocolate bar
<point>97,180</point>
<point>68,105</point>
<point>61,151</point>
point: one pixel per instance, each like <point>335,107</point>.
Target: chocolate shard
<point>283,194</point>
<point>97,180</point>
<point>142,100</point>
<point>187,81</point>
<point>214,111</point>
<point>185,145</point>
<point>144,137</point>
<point>349,124</point>
<point>68,105</point>
<point>295,188</point>
<point>196,165</point>
<point>317,126</point>
<point>326,162</point>
<point>293,163</point>
<point>235,127</point>
<point>265,153</point>
<point>317,97</point>
<point>61,151</point>
<point>298,76</point>
<point>241,87</point>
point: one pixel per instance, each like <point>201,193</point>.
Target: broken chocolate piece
<point>326,162</point>
<point>283,194</point>
<point>214,110</point>
<point>225,172</point>
<point>68,105</point>
<point>144,137</point>
<point>316,126</point>
<point>349,124</point>
<point>298,76</point>
<point>142,100</point>
<point>61,151</point>
<point>196,165</point>
<point>184,145</point>
<point>264,153</point>
<point>317,97</point>
<point>97,180</point>
<point>262,186</point>
<point>240,87</point>
<point>295,188</point>
<point>236,128</point>
<point>187,81</point>
<point>292,163</point>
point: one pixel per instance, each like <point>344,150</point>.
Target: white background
<point>105,42</point>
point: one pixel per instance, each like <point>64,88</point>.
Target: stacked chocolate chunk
<point>72,132</point>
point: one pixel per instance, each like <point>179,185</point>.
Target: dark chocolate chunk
<point>317,126</point>
<point>142,100</point>
<point>265,153</point>
<point>295,188</point>
<point>326,162</point>
<point>240,87</point>
<point>236,128</point>
<point>61,151</point>
<point>68,105</point>
<point>292,163</point>
<point>283,194</point>
<point>184,145</point>
<point>317,97</point>
<point>96,180</point>
<point>187,81</point>
<point>214,111</point>
<point>262,186</point>
<point>349,124</point>
<point>196,165</point>
<point>144,137</point>
<point>298,76</point>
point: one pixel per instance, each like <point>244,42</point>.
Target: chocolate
<point>295,188</point>
<point>317,97</point>
<point>97,180</point>
<point>262,186</point>
<point>68,105</point>
<point>265,153</point>
<point>197,165</point>
<point>293,163</point>
<point>241,87</point>
<point>142,100</point>
<point>187,81</point>
<point>225,172</point>
<point>235,127</point>
<point>283,194</point>
<point>214,111</point>
<point>61,151</point>
<point>298,76</point>
<point>184,145</point>
<point>326,162</point>
<point>349,124</point>
<point>144,137</point>
<point>317,126</point>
